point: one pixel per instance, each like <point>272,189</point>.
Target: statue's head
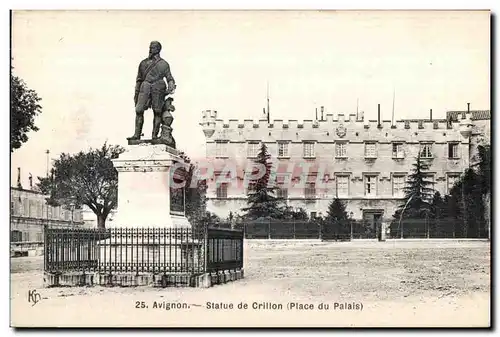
<point>154,48</point>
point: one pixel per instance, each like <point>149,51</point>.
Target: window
<point>19,206</point>
<point>370,185</point>
<point>398,184</point>
<point>252,149</point>
<point>12,207</point>
<point>26,210</point>
<point>342,186</point>
<point>341,150</point>
<point>16,236</point>
<point>282,193</point>
<point>32,209</point>
<point>452,179</point>
<point>314,215</point>
<point>310,191</point>
<point>221,149</point>
<point>309,150</point>
<point>222,191</point>
<point>426,151</point>
<point>370,150</point>
<point>283,150</point>
<point>452,150</point>
<point>397,151</point>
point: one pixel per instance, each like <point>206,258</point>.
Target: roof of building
<point>25,190</point>
<point>475,114</point>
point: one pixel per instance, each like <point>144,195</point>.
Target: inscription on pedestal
<point>177,191</point>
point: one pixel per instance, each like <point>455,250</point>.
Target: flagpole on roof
<point>268,116</point>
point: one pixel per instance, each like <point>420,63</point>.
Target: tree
<point>261,201</point>
<point>418,194</point>
<point>439,223</point>
<point>289,213</point>
<point>24,107</point>
<point>418,191</point>
<point>336,224</point>
<point>195,196</point>
<point>466,202</point>
<point>85,178</point>
<point>483,168</point>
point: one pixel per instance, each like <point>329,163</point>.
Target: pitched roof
<point>475,115</point>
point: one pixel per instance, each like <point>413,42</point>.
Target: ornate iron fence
<point>224,249</point>
<point>142,250</point>
<point>355,229</point>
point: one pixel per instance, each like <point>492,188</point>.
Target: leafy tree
<point>262,203</point>
<point>467,203</point>
<point>195,196</point>
<point>483,168</point>
<point>205,220</point>
<point>289,213</point>
<point>85,178</point>
<point>441,224</point>
<point>336,224</point>
<point>24,107</point>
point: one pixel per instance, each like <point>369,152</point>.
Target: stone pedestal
<point>145,173</point>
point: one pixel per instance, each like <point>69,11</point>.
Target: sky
<point>83,65</point>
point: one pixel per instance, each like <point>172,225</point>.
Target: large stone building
<point>29,213</point>
<point>363,162</point>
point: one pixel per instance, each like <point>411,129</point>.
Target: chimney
<point>31,181</point>
<point>464,116</point>
<point>316,114</point>
<point>322,110</point>
<point>19,185</point>
<point>379,125</point>
<point>431,115</point>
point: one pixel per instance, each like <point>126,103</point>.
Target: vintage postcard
<point>311,168</point>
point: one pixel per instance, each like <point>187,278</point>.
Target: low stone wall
<point>22,249</point>
<point>76,279</point>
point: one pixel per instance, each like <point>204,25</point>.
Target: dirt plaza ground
<point>364,283</point>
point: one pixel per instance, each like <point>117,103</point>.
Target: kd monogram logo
<point>34,297</point>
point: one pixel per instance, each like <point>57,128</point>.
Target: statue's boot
<point>139,121</point>
<point>156,127</point>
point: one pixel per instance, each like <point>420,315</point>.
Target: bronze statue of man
<point>151,90</point>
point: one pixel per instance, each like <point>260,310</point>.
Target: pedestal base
<point>80,279</point>
<point>145,183</point>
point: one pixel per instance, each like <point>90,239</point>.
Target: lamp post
<point>72,206</point>
<point>351,221</point>
<point>402,212</point>
<point>427,225</point>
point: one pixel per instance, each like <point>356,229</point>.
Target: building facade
<point>29,213</point>
<point>362,162</point>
